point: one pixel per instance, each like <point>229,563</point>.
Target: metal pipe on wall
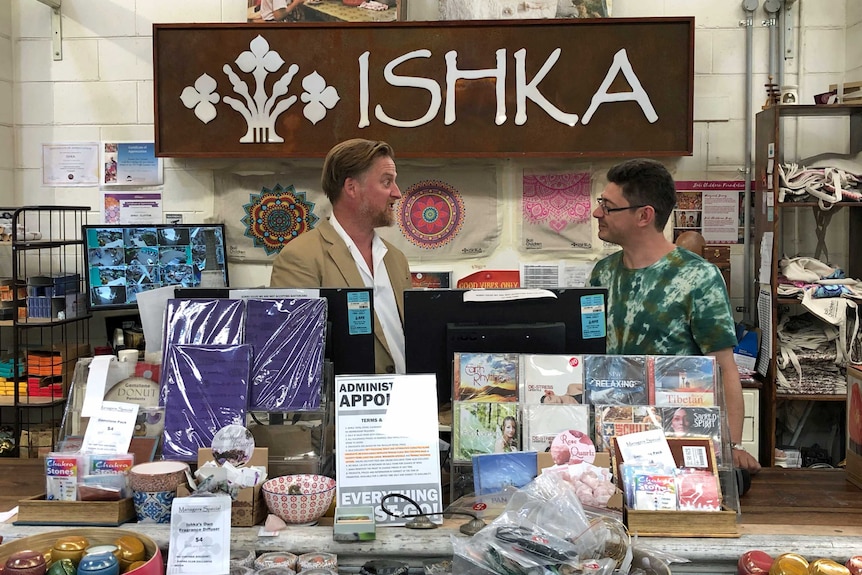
<point>748,6</point>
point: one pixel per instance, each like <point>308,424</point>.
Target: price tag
<point>200,535</point>
<point>110,430</point>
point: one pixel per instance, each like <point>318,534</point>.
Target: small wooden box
<point>717,254</point>
<point>682,523</point>
<point>37,511</point>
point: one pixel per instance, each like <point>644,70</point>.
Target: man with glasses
<point>663,299</point>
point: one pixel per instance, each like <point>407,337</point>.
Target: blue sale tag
<point>593,322</point>
<point>359,318</point>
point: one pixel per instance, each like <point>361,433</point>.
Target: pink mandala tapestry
<point>557,211</point>
<point>431,213</point>
<point>276,216</point>
<point>446,211</point>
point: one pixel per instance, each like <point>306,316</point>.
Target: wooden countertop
<point>812,512</point>
<point>19,479</point>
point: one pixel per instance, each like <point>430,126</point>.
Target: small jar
<point>99,564</point>
<point>62,567</point>
<point>130,549</point>
<point>26,562</point>
<point>70,547</point>
<point>107,548</point>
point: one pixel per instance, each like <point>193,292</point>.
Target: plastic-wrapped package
<point>201,322</point>
<point>209,386</point>
<point>544,529</point>
<point>288,338</point>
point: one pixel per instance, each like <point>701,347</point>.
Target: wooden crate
<point>37,511</point>
<point>682,523</point>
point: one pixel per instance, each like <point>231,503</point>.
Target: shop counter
<point>706,555</point>
<point>811,512</point>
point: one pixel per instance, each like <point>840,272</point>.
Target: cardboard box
<point>37,442</point>
<point>854,425</point>
<point>38,511</point>
<point>249,508</point>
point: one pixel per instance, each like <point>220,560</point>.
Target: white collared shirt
<point>384,295</point>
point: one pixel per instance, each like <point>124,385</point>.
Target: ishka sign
<point>483,89</point>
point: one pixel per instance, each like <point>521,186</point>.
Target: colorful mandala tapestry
<point>276,216</point>
<point>431,213</point>
<point>557,200</point>
<point>556,212</point>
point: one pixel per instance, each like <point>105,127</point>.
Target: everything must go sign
<point>556,88</point>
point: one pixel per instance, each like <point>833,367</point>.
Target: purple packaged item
<point>215,321</point>
<point>288,338</point>
<point>209,386</point>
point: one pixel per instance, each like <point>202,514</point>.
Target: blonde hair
<point>350,159</point>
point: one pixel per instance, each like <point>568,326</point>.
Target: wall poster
<point>712,208</point>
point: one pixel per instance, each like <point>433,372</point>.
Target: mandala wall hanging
<point>431,213</point>
<point>451,218</point>
<point>262,213</point>
<point>274,217</point>
<point>556,211</point>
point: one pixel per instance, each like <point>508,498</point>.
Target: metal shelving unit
<point>50,326</point>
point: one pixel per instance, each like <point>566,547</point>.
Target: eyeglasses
<point>606,210</point>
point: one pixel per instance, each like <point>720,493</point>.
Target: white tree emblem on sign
<point>260,110</point>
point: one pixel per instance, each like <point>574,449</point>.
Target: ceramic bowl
<point>299,499</point>
<point>157,476</point>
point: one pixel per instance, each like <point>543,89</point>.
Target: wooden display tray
<point>682,523</point>
<point>37,511</point>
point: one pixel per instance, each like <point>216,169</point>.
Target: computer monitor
<point>438,323</point>
<point>123,260</point>
<point>349,322</point>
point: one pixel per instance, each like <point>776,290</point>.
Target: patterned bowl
<point>158,475</point>
<point>299,499</point>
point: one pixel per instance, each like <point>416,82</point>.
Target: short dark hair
<point>350,159</point>
<point>646,182</point>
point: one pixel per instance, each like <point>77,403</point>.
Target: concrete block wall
<point>7,127</point>
<point>102,89</point>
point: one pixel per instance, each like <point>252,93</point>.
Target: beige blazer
<point>319,258</point>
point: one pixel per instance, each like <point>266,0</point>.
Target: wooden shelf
<point>769,150</point>
<point>27,401</point>
<point>814,110</point>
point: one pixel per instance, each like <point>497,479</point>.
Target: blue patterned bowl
<point>153,506</point>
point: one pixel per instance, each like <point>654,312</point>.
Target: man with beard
<point>663,299</point>
<point>346,251</point>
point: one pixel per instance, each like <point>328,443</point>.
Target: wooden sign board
<point>540,88</point>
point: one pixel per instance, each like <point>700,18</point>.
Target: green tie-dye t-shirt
<point>677,306</point>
